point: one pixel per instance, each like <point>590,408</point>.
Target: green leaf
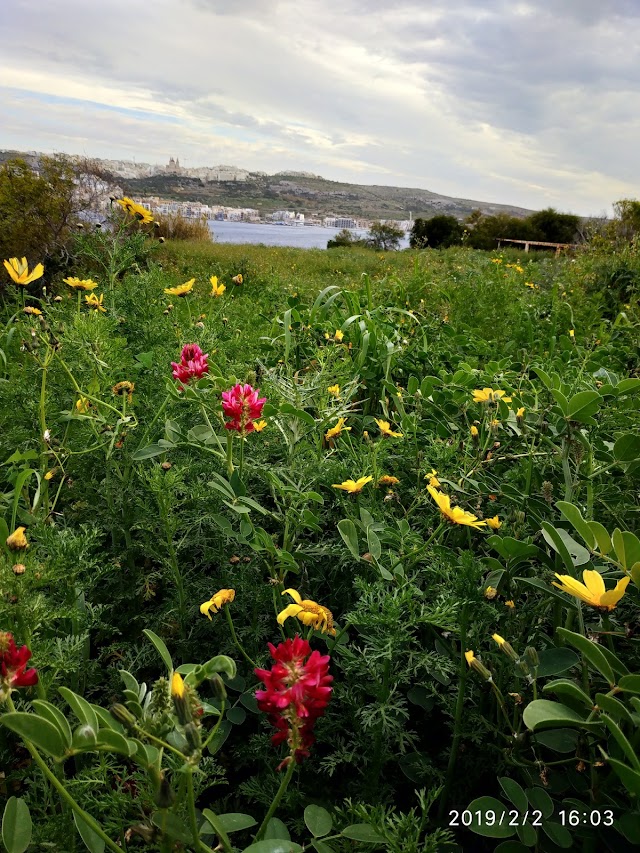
<point>92,841</point>
<point>55,716</point>
<point>630,684</point>
<point>544,714</point>
<point>217,741</point>
<point>273,845</point>
<point>235,821</point>
<point>277,829</point>
<point>479,824</point>
<point>554,661</point>
<point>629,386</point>
<point>571,552</point>
<point>564,687</point>
<point>420,696</point>
<point>288,409</point>
<point>161,648</point>
<point>322,847</point>
<point>514,792</point>
<point>172,826</point>
<point>16,826</point>
<point>114,742</point>
<point>559,740</point>
<point>511,847</point>
<point>36,729</point>
<point>318,821</point>
<point>590,651</point>
<point>363,832</point>
<point>559,834</point>
<point>614,708</point>
<point>582,406</point>
<point>574,517</point>
<point>566,600</point>
<point>629,777</point>
<point>540,800</point>
<point>627,547</point>
<point>603,539</point>
<point>373,543</point>
<point>347,529</point>
<point>80,707</point>
<point>147,452</point>
<point>237,716</point>
<point>621,740</point>
<point>627,447</point>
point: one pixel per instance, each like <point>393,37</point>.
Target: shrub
<point>174,226</point>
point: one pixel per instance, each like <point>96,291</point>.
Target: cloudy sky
<point>532,103</point>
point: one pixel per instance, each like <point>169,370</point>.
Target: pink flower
<point>242,404</point>
<point>193,365</point>
<point>13,662</point>
<point>295,695</point>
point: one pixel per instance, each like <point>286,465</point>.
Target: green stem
<point>276,800</point>
<point>235,639</point>
<point>241,457</point>
<point>457,720</point>
<point>193,820</point>
<point>64,794</point>
<point>229,454</point>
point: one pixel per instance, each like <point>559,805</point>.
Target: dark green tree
<point>384,236</point>
<point>554,227</point>
<point>439,232</point>
<point>487,230</point>
<point>343,239</point>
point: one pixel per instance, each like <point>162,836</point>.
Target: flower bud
<point>479,667</point>
<point>84,737</point>
<point>192,734</point>
<point>164,796</point>
<point>531,655</point>
<point>122,715</point>
<point>219,689</point>
<point>506,647</point>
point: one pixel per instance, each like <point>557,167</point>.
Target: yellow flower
<point>385,429</point>
<point>217,602</point>
<point>50,474</point>
<point>82,405</point>
<point>510,604</point>
<point>19,271</point>
<point>259,425</point>
<point>572,333</point>
<point>353,486</point>
<point>388,480</point>
<point>488,395</point>
<point>520,413</point>
<point>237,279</point>
<point>496,260</point>
<point>469,656</point>
<point>455,514</point>
<point>216,289</point>
<point>338,335</point>
<point>499,640</point>
<point>531,285</point>
<point>134,209</point>
<point>490,593</point>
<point>177,685</point>
<point>81,283</point>
<point>309,613</point>
<point>432,477</point>
<point>592,591</point>
<point>29,309</point>
<point>494,523</point>
<point>18,541</point>
<point>334,389</point>
<point>122,388</point>
<point>337,429</point>
<point>93,302</point>
<point>181,289</point>
<point>474,432</point>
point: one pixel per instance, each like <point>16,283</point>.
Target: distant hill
<point>299,191</point>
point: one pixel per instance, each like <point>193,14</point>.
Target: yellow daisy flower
<point>455,514</point>
<point>308,612</point>
<point>181,289</point>
<point>353,486</point>
<point>217,602</point>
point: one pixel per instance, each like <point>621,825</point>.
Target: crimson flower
<point>242,404</point>
<point>295,695</point>
<point>193,365</point>
<point>13,662</point>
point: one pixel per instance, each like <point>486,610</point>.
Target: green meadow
<point>429,511</point>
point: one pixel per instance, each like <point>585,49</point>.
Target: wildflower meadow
<point>324,551</point>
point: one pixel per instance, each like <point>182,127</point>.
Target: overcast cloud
<point>527,103</point>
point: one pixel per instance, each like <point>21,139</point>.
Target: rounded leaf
<point>480,809</point>
<point>363,832</point>
<point>16,826</point>
<point>318,821</point>
<point>36,729</point>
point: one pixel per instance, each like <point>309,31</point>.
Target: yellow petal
<point>294,594</point>
<point>291,610</point>
<point>594,583</point>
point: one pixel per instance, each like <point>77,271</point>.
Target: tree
<point>435,233</point>
<point>488,229</point>
<point>554,227</point>
<point>383,236</point>
<point>343,239</point>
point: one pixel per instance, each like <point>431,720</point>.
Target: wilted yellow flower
<point>217,601</point>
<point>19,271</point>
<point>134,209</point>
<point>488,395</point>
<point>17,541</point>
<point>353,486</point>
<point>385,429</point>
<point>29,309</point>
<point>510,604</point>
<point>50,474</point>
<point>474,433</point>
<point>592,591</point>
<point>81,283</point>
<point>494,523</point>
<point>496,260</point>
<point>388,480</point>
<point>237,279</point>
<point>122,388</point>
<point>259,425</point>
<point>336,430</point>
<point>520,413</point>
<point>216,289</point>
<point>93,302</point>
<point>455,514</point>
<point>338,335</point>
<point>181,289</point>
<point>82,405</point>
<point>308,612</point>
<point>334,390</point>
<point>531,285</point>
<point>490,593</point>
<point>469,656</point>
<point>432,477</point>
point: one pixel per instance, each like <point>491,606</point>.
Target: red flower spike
<point>295,695</point>
<point>13,662</point>
<point>243,405</point>
<point>193,365</point>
